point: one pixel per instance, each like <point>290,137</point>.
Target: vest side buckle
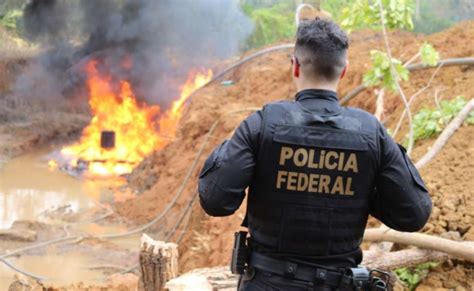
<point>321,276</point>
<point>290,269</point>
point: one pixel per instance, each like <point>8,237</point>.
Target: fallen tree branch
<point>445,63</point>
<point>460,250</point>
<point>403,258</point>
<point>414,67</point>
<point>446,134</point>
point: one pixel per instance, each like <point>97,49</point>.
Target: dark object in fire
<point>107,139</point>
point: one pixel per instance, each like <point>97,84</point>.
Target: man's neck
<point>320,86</point>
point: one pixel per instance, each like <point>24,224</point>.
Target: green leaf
<point>429,56</point>
<point>430,122</point>
<point>380,73</point>
<point>413,276</point>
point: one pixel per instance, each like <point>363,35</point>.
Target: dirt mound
<point>268,78</point>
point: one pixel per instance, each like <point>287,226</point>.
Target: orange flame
<point>139,129</point>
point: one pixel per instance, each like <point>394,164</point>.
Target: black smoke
<point>163,39</point>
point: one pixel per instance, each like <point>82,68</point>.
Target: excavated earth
<point>208,241</point>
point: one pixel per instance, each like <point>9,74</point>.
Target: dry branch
<point>395,77</point>
<point>412,98</point>
<point>461,250</point>
<point>379,105</point>
<point>403,258</point>
<point>445,63</point>
<point>446,134</point>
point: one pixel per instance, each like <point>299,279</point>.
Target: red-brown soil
<point>449,177</point>
<point>208,240</point>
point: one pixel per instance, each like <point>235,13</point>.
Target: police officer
<point>314,170</point>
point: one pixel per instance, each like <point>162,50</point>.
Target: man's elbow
<point>213,201</point>
<point>213,209</point>
<point>423,216</point>
<point>418,219</point>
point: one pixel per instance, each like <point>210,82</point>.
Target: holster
<point>363,279</point>
<point>240,253</point>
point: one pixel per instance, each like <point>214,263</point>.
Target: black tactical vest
<point>315,175</point>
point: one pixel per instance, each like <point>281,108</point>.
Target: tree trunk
<point>158,264</point>
<point>417,10</point>
<point>398,259</point>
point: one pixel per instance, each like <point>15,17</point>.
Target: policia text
<point>313,159</point>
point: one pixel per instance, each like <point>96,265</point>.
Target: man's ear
<point>296,70</point>
<point>344,70</point>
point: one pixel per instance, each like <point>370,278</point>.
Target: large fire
<point>137,129</point>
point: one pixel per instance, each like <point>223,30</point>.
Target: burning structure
<point>136,61</point>
<point>123,130</point>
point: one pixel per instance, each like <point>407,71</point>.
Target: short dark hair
<point>321,49</point>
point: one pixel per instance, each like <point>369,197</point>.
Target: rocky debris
<point>18,235</point>
<point>24,283</point>
<point>115,282</point>
<point>452,235</point>
<point>205,279</point>
<point>123,281</point>
<point>29,225</point>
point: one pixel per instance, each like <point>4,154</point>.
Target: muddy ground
<point>208,241</point>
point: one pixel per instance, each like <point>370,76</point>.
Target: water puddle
<point>61,269</point>
<point>28,189</point>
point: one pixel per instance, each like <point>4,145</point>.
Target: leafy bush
<point>413,276</point>
<point>430,122</point>
<point>10,18</point>
<point>366,14</point>
<point>272,23</point>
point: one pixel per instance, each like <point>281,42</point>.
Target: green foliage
<point>430,122</point>
<point>413,276</point>
<point>380,73</point>
<point>10,19</point>
<point>366,14</point>
<point>437,15</point>
<point>272,23</point>
<point>429,56</point>
<point>334,7</point>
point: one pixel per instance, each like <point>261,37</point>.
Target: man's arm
<point>401,201</point>
<point>229,169</point>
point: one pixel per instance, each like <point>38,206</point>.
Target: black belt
<point>296,271</point>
